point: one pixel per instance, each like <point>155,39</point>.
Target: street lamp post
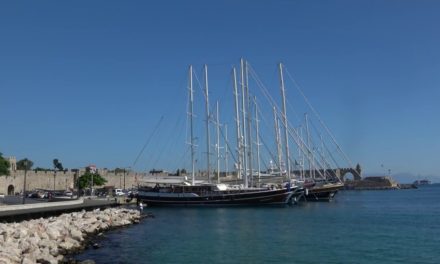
<point>124,178</point>
<point>77,184</point>
<point>24,183</point>
<point>120,180</point>
<point>54,179</point>
<point>91,191</point>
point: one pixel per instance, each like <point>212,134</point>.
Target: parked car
<point>33,195</point>
<point>119,192</point>
<point>47,195</point>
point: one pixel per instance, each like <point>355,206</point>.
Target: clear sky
<point>89,81</point>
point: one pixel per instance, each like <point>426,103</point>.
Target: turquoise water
<point>358,227</point>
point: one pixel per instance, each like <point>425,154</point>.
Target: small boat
<point>422,182</point>
<point>322,192</point>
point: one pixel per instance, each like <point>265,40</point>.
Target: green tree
<point>57,165</point>
<point>85,180</point>
<point>4,165</point>
<point>24,164</point>
<point>119,170</point>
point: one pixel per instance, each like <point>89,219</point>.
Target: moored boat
<point>199,194</point>
<point>323,192</point>
<point>422,182</point>
<point>212,194</point>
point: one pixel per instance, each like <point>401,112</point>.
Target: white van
<point>119,192</point>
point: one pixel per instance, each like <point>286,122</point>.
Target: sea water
<point>393,226</point>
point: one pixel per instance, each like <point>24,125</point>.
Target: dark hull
<point>266,197</point>
<point>322,193</point>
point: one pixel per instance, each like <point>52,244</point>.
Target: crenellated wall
<point>61,180</point>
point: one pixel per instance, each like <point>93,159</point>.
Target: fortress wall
<point>63,180</point>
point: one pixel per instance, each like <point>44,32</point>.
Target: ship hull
<point>266,197</point>
<point>323,193</point>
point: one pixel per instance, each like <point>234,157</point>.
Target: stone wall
<point>62,180</point>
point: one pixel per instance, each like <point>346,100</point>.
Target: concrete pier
<point>19,212</point>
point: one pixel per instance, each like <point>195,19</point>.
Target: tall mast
<point>243,107</point>
<point>257,121</point>
<point>286,137</point>
<point>300,153</point>
<point>278,139</point>
<point>249,124</point>
<point>218,144</point>
<point>309,148</point>
<point>191,113</point>
<point>208,141</point>
<point>324,160</point>
<point>237,124</point>
<point>226,150</point>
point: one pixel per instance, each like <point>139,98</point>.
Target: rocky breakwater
<point>47,240</point>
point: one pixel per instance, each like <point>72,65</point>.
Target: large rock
<point>10,250</point>
<point>104,218</point>
<point>50,244</point>
<point>24,246</point>
<point>53,232</point>
<point>9,257</point>
<point>27,260</point>
<point>76,234</point>
<point>104,226</point>
<point>69,244</point>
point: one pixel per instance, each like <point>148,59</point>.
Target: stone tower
<point>12,163</point>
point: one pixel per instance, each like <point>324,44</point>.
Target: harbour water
<point>401,226</point>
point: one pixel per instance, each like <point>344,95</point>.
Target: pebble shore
<point>47,240</point>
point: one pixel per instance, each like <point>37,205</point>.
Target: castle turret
<point>12,163</point>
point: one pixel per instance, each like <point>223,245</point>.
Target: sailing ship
<point>315,182</point>
<point>204,194</point>
<point>213,194</point>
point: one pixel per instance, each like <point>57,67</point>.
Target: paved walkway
<point>12,213</point>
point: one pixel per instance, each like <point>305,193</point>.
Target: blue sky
<point>88,81</point>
